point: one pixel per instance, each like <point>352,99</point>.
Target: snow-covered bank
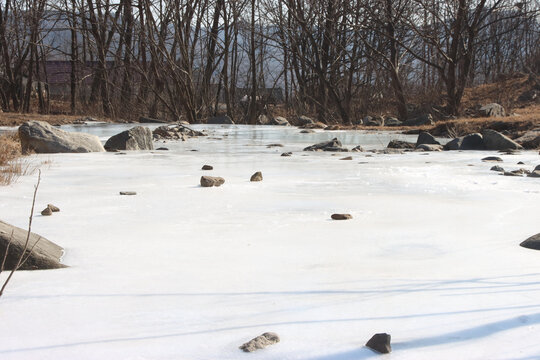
<point>183,272</point>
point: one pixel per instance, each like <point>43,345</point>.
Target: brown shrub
<point>11,164</point>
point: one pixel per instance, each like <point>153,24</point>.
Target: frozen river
<point>431,255</point>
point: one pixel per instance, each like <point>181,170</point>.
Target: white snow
<point>431,255</point>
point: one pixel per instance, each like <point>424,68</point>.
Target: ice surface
<point>431,255</point>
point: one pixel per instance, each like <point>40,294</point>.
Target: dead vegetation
<point>12,163</point>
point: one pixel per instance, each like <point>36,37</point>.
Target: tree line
<point>335,59</point>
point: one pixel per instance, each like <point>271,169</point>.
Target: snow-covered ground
<point>183,272</point>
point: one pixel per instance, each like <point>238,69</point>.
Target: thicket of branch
<point>337,59</point>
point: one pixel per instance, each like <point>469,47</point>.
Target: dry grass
<point>12,163</point>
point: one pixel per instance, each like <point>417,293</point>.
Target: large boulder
<point>41,137</point>
<point>492,110</point>
<point>331,145</point>
<point>426,138</point>
<point>468,142</point>
<point>530,140</point>
<point>221,120</point>
<point>494,140</point>
<point>44,255</point>
<point>137,138</point>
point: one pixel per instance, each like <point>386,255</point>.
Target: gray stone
<point>280,121</point>
<point>497,168</point>
<point>304,120</point>
<point>209,181</point>
<point>207,167</point>
<point>400,144</point>
<point>175,132</point>
<point>357,148</point>
<point>307,131</point>
<point>137,138</point>
<point>429,147</point>
<point>492,159</point>
<point>512,173</point>
<point>53,208</point>
<point>287,154</point>
<point>380,343</point>
<point>468,142</point>
<point>494,140</point>
<point>128,193</point>
<point>492,110</point>
<point>373,121</point>
<point>426,138</point>
<point>532,243</point>
<point>41,137</point>
<point>341,216</point>
<point>357,121</point>
<point>44,255</point>
<point>346,158</point>
<point>537,168</point>
<point>256,177</point>
<point>260,342</point>
<point>263,120</point>
<point>47,211</point>
<point>274,145</point>
<point>162,149</point>
<point>331,145</point>
<point>220,120</point>
<point>392,121</point>
<point>422,120</point>
<point>535,174</point>
<point>530,140</point>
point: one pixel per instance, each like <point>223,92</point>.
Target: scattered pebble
<point>341,216</point>
<point>260,342</point>
<point>256,177</point>
<point>207,167</point>
<point>128,193</point>
<point>162,149</point>
<point>47,211</point>
<point>53,208</point>
<point>209,181</point>
<point>497,168</point>
<point>346,158</point>
<point>492,159</point>
<point>287,154</point>
<point>380,343</point>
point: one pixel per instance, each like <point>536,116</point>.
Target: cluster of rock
<point>377,120</point>
<point>175,132</point>
<point>487,140</point>
<point>269,120</point>
<point>40,137</point>
<point>518,172</point>
<point>49,210</point>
